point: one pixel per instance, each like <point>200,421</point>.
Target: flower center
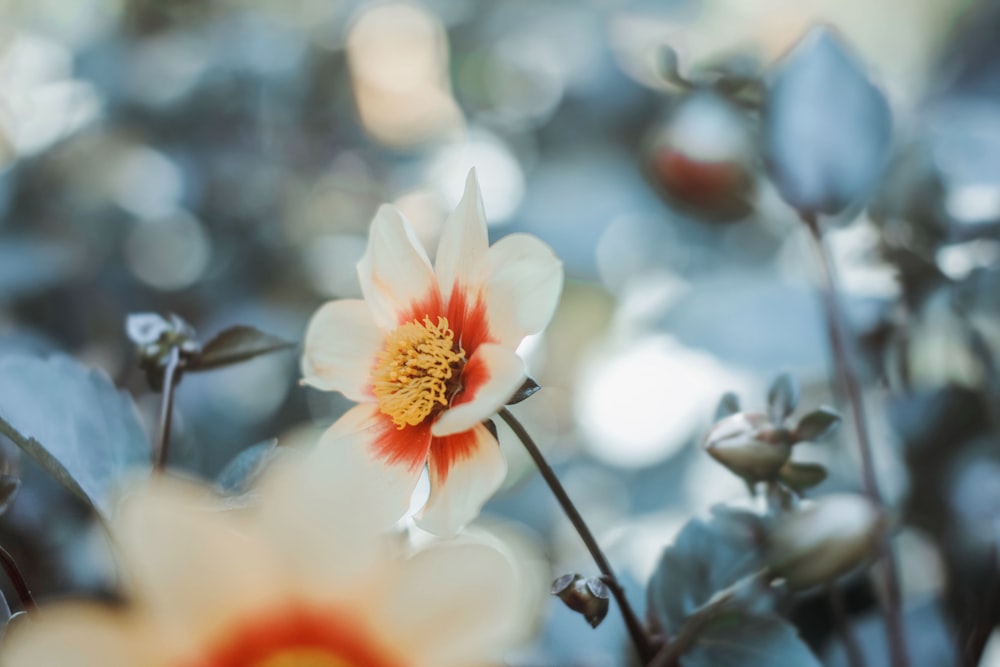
<point>304,657</point>
<point>418,371</point>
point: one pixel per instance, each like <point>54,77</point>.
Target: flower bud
<point>588,597</point>
<point>825,539</point>
<point>748,444</point>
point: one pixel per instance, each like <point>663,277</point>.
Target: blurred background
<point>222,159</point>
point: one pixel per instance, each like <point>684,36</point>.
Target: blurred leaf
<point>526,389</point>
<point>234,345</point>
<point>708,557</point>
<point>930,640</point>
<point>782,398</point>
<point>245,467</point>
<point>802,476</point>
<point>73,422</point>
<point>827,127</point>
<point>5,616</point>
<point>817,424</point>
<point>729,404</point>
<point>9,486</point>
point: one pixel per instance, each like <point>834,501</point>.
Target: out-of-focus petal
<point>461,258</point>
<point>465,470</point>
<point>523,287</point>
<point>81,635</point>
<point>394,271</point>
<point>490,377</point>
<point>452,606</point>
<point>340,346</point>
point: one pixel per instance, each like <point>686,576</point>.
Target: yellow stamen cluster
<point>416,371</point>
<point>303,658</point>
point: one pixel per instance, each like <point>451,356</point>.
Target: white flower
<point>429,354</point>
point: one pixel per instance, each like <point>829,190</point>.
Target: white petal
<point>465,470</point>
<point>461,257</point>
<point>341,342</point>
<point>496,373</point>
<point>395,272</point>
<point>523,288</point>
<point>324,509</point>
<point>453,606</point>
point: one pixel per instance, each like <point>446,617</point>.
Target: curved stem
<point>167,408</point>
<point>632,624</point>
<point>17,580</point>
<point>848,381</point>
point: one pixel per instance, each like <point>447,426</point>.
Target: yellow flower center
<point>304,657</point>
<point>417,371</point>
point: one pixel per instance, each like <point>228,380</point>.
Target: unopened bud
<point>825,539</point>
<point>749,445</point>
<point>588,597</point>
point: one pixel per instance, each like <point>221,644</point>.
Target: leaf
<point>234,345</point>
<point>245,467</point>
<point>827,127</point>
<point>782,398</point>
<point>929,638</point>
<point>9,486</point>
<point>527,388</point>
<point>708,557</point>
<point>729,404</point>
<point>802,476</point>
<point>73,422</point>
<point>817,424</point>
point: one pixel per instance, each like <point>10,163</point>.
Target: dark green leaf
<point>729,404</point>
<point>827,127</point>
<point>9,486</point>
<point>234,345</point>
<point>782,398</point>
<point>73,422</point>
<point>750,641</point>
<point>802,476</point>
<point>245,467</point>
<point>526,389</point>
<point>817,424</point>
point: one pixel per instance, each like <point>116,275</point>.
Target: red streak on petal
<point>299,627</point>
<point>468,319</point>
<point>475,374</point>
<point>429,306</point>
<point>450,450</point>
<point>401,446</point>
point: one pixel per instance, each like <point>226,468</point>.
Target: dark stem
<point>635,629</point>
<point>167,408</point>
<point>17,579</point>
<point>847,638</point>
<point>848,382</point>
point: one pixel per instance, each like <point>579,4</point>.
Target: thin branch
<point>17,580</point>
<point>632,624</point>
<point>167,408</point>
<point>848,382</point>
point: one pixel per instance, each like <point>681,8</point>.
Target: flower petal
<point>461,257</point>
<point>394,271</point>
<point>452,606</point>
<point>341,342</point>
<point>490,377</point>
<point>465,470</point>
<point>523,288</point>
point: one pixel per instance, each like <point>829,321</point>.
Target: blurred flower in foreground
<point>430,354</point>
<point>303,578</point>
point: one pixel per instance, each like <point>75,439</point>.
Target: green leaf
<point>73,422</point>
<point>729,404</point>
<point>708,557</point>
<point>9,486</point>
<point>817,424</point>
<point>782,398</point>
<point>234,345</point>
<point>527,388</point>
<point>802,476</point>
<point>246,466</point>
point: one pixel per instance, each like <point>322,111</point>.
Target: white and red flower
<point>307,578</point>
<point>429,354</point>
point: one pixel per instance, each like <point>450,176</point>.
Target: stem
<point>632,624</point>
<point>17,579</point>
<point>848,381</point>
<point>847,638</point>
<point>167,408</point>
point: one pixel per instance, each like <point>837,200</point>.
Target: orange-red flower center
<point>418,371</point>
<point>300,636</point>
